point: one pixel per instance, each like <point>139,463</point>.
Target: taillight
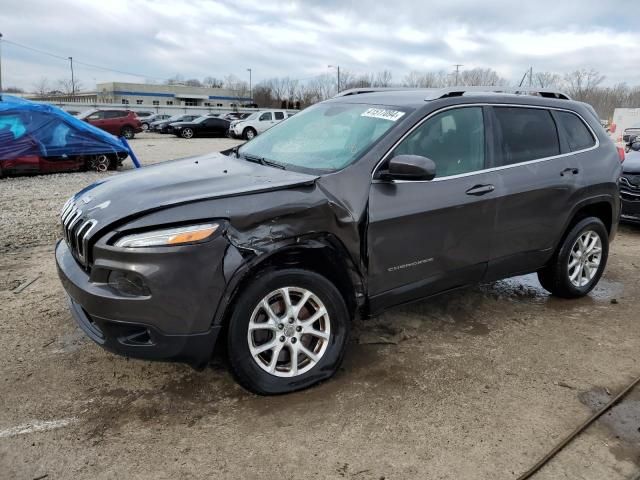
<point>621,154</point>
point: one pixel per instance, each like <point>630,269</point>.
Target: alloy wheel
<point>585,258</point>
<point>289,332</point>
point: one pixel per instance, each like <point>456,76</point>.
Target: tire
<point>187,133</point>
<point>252,369</point>
<point>566,281</point>
<point>145,126</point>
<point>127,132</point>
<point>99,163</point>
<point>249,133</point>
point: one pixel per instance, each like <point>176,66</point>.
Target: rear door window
<point>527,134</point>
<point>279,115</point>
<point>577,133</point>
<point>453,139</point>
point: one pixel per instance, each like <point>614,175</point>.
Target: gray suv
<point>352,206</point>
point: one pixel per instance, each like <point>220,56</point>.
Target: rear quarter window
<point>577,133</point>
<point>527,134</point>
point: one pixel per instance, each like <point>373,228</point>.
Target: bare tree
<point>212,82</point>
<point>193,82</point>
<point>383,79</point>
<point>580,83</point>
<point>547,80</point>
<point>66,86</point>
<point>239,88</point>
<point>41,87</point>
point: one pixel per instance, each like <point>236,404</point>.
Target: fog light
<point>129,284</point>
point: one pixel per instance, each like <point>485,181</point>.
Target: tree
<point>67,87</point>
<point>212,82</point>
<point>580,83</point>
<point>13,90</point>
<point>547,80</point>
<point>41,87</point>
<point>193,82</point>
<point>239,88</point>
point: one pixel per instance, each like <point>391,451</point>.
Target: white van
<point>256,123</point>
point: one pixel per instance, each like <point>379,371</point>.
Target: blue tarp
<point>30,128</point>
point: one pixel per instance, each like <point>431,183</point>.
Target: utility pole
<point>73,82</point>
<point>250,89</point>
<point>458,65</point>
<point>337,67</point>
<point>0,66</point>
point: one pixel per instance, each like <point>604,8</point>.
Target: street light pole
<point>250,89</point>
<point>458,65</point>
<point>337,67</point>
<point>73,83</point>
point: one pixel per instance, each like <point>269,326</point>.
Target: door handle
<point>480,190</point>
<point>571,170</point>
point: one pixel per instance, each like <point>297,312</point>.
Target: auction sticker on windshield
<point>382,113</point>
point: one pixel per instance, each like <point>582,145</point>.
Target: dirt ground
<point>477,384</point>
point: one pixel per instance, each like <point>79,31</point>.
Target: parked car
<point>630,132</point>
<point>162,126</point>
<point>256,123</point>
<point>157,117</point>
<point>123,123</point>
<point>235,116</point>
<point>354,205</point>
<point>630,182</point>
<point>205,126</point>
<point>39,138</point>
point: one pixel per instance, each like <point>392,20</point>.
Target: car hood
<point>631,162</point>
<point>178,182</point>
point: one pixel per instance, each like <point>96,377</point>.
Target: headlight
<point>169,236</point>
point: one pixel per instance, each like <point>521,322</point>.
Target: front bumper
<point>629,204</point>
<point>172,322</point>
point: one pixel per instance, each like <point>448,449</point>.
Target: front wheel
<point>579,263</point>
<point>249,133</point>
<point>288,331</point>
<point>145,126</point>
<point>187,133</point>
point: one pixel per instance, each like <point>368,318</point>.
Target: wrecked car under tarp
<point>39,138</point>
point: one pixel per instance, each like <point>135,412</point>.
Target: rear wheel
<point>187,133</point>
<point>127,132</point>
<point>578,264</point>
<point>288,331</point>
<point>145,126</point>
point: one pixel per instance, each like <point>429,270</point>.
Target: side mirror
<point>635,146</point>
<point>410,167</point>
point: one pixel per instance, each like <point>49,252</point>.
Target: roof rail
<point>359,90</point>
<point>436,93</point>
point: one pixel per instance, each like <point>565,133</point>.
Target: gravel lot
<point>475,384</point>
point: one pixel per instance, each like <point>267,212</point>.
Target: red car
<point>122,123</point>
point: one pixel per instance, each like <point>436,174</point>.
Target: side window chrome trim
<point>485,170</point>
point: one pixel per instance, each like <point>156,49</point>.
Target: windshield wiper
<point>263,161</point>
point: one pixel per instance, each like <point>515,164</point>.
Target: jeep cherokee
<point>359,203</point>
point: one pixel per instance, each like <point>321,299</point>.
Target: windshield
<point>174,118</point>
<point>200,119</point>
<point>326,137</point>
<point>253,116</point>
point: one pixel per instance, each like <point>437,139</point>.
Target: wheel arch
<point>322,254</point>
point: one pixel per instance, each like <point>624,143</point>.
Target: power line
<point>90,65</point>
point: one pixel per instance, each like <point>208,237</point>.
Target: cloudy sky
<point>157,39</point>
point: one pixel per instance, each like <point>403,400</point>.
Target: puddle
<point>622,421</point>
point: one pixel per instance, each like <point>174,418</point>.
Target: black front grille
<point>76,230</point>
<point>631,181</point>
